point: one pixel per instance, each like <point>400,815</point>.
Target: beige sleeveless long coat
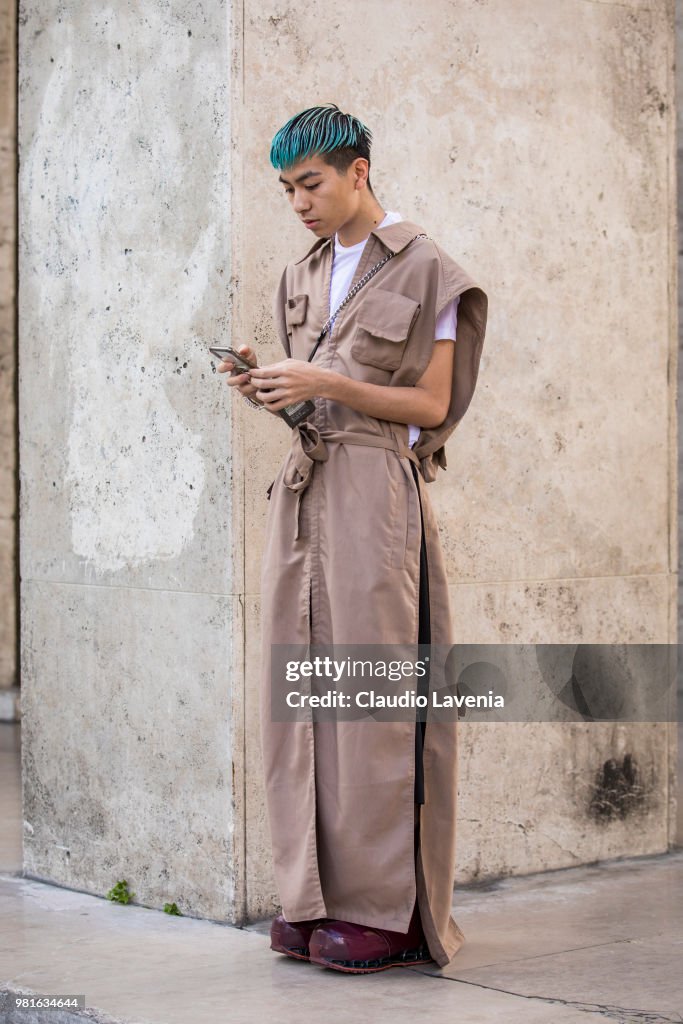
<point>343,532</point>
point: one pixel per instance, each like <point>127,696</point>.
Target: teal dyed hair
<point>337,137</point>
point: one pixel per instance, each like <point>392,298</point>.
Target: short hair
<point>325,130</point>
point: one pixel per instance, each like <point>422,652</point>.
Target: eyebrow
<point>302,177</point>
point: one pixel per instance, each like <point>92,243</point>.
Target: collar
<point>394,237</point>
<point>318,244</point>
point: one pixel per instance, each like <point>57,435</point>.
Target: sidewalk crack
<point>621,1014</point>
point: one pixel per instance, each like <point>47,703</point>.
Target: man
<point>362,815</point>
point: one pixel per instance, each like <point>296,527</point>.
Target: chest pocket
<point>295,310</point>
<point>384,322</point>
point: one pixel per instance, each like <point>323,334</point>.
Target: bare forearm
<point>295,380</point>
<point>397,404</point>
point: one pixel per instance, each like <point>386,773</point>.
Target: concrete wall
<point>679,190</point>
<point>151,221</point>
<point>535,141</point>
<point>8,431</point>
<point>130,591</point>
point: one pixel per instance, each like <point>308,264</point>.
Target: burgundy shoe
<point>292,937</point>
<point>358,949</point>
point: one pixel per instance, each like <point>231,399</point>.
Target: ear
<point>360,171</point>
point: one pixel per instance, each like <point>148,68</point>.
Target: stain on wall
<point>619,791</point>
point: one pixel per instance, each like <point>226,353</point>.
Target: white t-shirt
<point>346,259</point>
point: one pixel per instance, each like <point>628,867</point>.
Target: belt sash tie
<point>309,445</point>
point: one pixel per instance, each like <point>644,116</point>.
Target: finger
<point>225,365</point>
<point>268,382</point>
<point>277,406</point>
<point>270,396</point>
<point>268,371</point>
<point>248,353</point>
<point>236,379</point>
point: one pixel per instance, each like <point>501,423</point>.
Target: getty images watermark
<point>482,682</point>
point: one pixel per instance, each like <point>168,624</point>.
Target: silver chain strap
<point>250,401</point>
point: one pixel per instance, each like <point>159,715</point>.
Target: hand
<point>288,381</point>
<point>238,380</point>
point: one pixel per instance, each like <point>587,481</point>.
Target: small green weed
<point>119,893</point>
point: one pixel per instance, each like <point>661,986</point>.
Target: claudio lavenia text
<point>407,699</point>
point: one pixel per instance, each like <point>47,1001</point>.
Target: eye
<point>309,188</point>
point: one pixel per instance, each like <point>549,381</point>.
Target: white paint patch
<point>124,186</point>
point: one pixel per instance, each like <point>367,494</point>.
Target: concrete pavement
<point>600,943</point>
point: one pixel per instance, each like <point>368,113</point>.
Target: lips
<point>308,223</point>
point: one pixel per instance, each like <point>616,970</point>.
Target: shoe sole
<point>371,966</point>
<point>296,952</point>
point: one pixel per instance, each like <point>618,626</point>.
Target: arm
<point>426,404</point>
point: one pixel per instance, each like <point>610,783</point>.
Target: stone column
<point>131,549</point>
<point>9,692</point>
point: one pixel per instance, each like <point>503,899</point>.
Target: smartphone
<point>234,356</point>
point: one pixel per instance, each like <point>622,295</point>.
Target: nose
<point>301,203</point>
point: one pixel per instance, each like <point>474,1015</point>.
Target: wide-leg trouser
<point>423,640</point>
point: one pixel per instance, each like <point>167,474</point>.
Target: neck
<point>358,227</point>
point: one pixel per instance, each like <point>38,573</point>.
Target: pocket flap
<point>295,309</point>
<point>387,314</point>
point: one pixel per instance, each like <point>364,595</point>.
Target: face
<point>321,196</point>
